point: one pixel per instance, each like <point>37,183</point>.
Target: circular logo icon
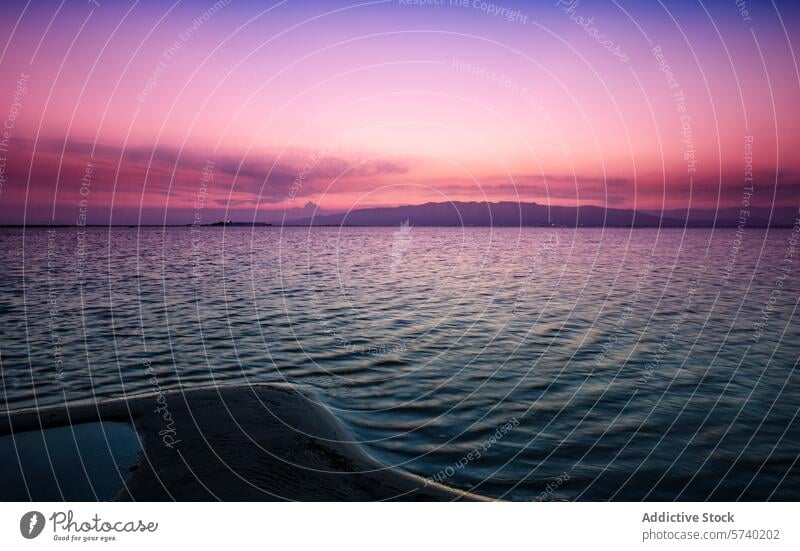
<point>31,524</point>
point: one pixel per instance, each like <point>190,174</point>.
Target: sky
<point>195,111</point>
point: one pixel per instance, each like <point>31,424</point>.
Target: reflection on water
<point>630,364</point>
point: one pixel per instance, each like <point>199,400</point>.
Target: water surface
<point>527,363</point>
<point>83,462</point>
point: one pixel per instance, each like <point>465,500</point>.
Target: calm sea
<point>518,363</point>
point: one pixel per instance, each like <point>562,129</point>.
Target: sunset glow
<point>342,105</point>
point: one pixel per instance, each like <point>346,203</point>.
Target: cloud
<point>166,183</point>
<point>168,178</point>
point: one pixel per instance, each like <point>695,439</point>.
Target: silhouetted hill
<point>513,214</point>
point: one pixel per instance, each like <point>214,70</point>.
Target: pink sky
<point>388,104</point>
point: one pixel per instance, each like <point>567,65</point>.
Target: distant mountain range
<point>514,214</point>
<point>508,214</point>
